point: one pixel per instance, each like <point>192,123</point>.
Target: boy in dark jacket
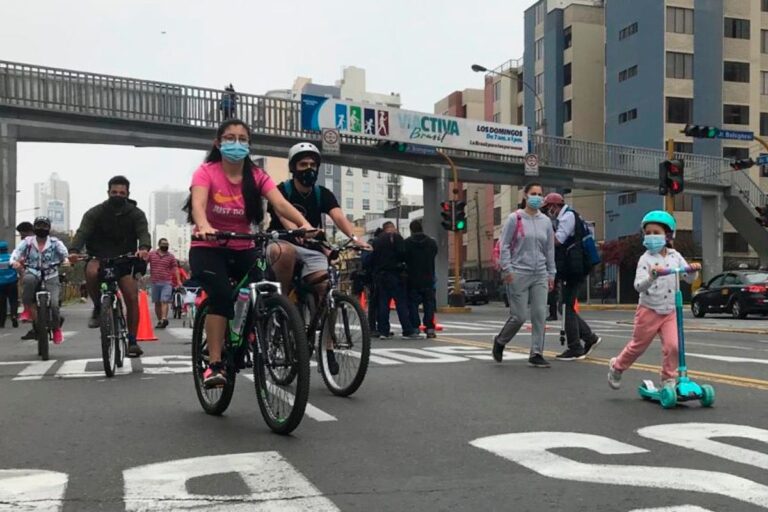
<point>387,262</point>
<point>420,254</point>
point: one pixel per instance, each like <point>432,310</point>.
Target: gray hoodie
<point>531,251</point>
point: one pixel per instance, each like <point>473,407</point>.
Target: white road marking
<point>27,490</point>
<point>728,359</point>
<point>681,508</point>
<point>311,411</point>
<point>77,368</point>
<point>35,371</point>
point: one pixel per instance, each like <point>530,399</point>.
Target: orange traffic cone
<point>146,332</point>
<point>363,301</point>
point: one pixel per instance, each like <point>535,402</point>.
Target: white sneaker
<point>671,383</point>
<point>614,376</point>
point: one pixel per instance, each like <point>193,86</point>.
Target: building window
<point>519,82</point>
<point>567,111</point>
<point>765,5</point>
<point>679,21</point>
<point>736,71</point>
<point>366,187</point>
<point>497,90</point>
<point>329,183</point>
<point>349,172</point>
<point>567,74</point>
<point>351,217</point>
<point>540,83</point>
<point>763,123</point>
<point>539,118</point>
<point>497,216</point>
<point>736,114</point>
<point>365,173</point>
<point>539,10</point>
<point>349,186</point>
<point>520,115</point>
<point>628,73</point>
<point>680,65</point>
<point>350,203</point>
<point>380,175</point>
<point>497,117</point>
<point>683,147</point>
<point>683,203</point>
<point>628,31</point>
<point>764,41</point>
<point>568,37</point>
<point>380,205</point>
<point>764,82</point>
<point>680,110</point>
<point>496,189</point>
<point>625,199</point>
<point>380,189</point>
<point>328,170</point>
<point>735,153</point>
<point>366,205</point>
<point>736,28</point>
<point>538,49</point>
<point>627,116</point>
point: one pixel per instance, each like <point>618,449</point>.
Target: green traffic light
<point>460,225</point>
<point>711,133</point>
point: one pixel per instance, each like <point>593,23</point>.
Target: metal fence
<point>61,90</point>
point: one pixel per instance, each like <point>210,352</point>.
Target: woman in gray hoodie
<point>528,268</point>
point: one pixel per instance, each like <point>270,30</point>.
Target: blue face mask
<point>535,202</point>
<point>234,151</point>
<point>654,243</point>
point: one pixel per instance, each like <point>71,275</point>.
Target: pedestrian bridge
<point>43,104</point>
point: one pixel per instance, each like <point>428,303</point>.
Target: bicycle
<point>177,302</point>
<point>339,324</point>
<point>190,307</point>
<point>44,324</point>
<point>112,324</point>
<point>273,332</point>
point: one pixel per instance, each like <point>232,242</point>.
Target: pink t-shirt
<point>226,208</point>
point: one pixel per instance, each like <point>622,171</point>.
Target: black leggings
<point>213,267</point>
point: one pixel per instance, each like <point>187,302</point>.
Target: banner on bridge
<point>388,123</point>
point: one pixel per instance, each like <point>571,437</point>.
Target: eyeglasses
<point>230,137</point>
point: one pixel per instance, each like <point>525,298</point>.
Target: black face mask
<point>163,248</point>
<point>42,232</point>
<point>117,201</point>
<point>306,178</point>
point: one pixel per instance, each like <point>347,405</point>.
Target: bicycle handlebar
<point>668,271</point>
<point>256,237</point>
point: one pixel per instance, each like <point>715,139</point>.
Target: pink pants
<point>648,324</point>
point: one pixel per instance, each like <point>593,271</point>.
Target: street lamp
<point>477,68</point>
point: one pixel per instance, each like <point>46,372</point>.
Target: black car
<point>738,292</point>
<point>475,292</point>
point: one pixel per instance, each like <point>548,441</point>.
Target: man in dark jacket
<point>387,263</point>
<point>420,254</point>
<point>114,228</point>
<point>373,301</point>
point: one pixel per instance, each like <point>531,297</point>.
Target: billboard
<point>388,123</point>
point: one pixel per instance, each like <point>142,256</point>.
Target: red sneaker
<point>58,337</point>
<point>24,317</point>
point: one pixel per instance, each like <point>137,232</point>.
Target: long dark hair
<point>254,210</point>
<point>526,189</point>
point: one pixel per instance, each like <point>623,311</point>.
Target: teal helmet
<point>660,217</point>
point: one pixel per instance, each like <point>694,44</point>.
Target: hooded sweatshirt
<point>8,275</point>
<point>108,232</point>
<point>420,253</point>
<point>529,248</point>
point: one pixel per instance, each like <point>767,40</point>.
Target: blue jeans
<point>389,286</point>
<point>425,296</point>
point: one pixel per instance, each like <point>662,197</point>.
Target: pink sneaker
<point>58,337</point>
<point>24,316</point>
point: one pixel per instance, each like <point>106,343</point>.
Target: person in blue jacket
<point>9,291</point>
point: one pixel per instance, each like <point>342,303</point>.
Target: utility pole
<point>669,200</point>
<point>477,231</point>
<point>457,298</point>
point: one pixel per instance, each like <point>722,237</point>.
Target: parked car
<point>475,292</point>
<point>738,292</point>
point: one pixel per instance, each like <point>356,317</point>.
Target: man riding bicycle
<point>40,254</point>
<point>110,229</point>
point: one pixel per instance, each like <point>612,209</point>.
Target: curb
<point>743,330</point>
<point>607,307</point>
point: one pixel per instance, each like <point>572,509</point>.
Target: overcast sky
<point>420,49</point>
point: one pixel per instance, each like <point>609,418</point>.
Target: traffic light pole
<point>457,297</point>
<point>669,201</point>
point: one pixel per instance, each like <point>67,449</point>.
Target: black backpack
<point>579,253</point>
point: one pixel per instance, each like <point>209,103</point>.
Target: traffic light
<point>663,179</point>
<point>390,145</point>
<point>701,132</point>
<point>671,179</point>
<point>459,216</point>
<point>446,212</point>
<point>744,163</point>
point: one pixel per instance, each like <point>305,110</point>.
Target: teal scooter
<point>685,389</point>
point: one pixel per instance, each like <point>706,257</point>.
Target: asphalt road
<point>436,426</point>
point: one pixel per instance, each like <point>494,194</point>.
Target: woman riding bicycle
<point>226,194</point>
<point>41,254</point>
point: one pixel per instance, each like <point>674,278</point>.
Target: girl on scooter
<point>655,313</point>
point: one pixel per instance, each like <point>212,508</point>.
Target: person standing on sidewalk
<point>388,255</point>
<point>527,259</point>
<point>25,230</point>
<point>373,299</point>
<point>569,257</point>
<point>420,254</point>
<point>9,291</point>
<point>163,272</point>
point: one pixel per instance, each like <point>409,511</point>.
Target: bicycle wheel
<point>346,330</point>
<point>41,329</point>
<point>121,340</point>
<point>214,400</point>
<point>281,346</point>
<point>109,335</point>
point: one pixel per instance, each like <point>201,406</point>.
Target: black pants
<point>373,307</point>
<point>576,329</point>
<point>213,267</point>
<point>552,300</point>
<point>9,296</point>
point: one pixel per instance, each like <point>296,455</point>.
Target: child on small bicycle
<point>655,313</point>
<point>41,254</point>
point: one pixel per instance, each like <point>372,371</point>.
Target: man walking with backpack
<point>573,263</point>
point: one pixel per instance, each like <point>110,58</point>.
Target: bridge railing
<point>53,89</point>
<point>743,186</point>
